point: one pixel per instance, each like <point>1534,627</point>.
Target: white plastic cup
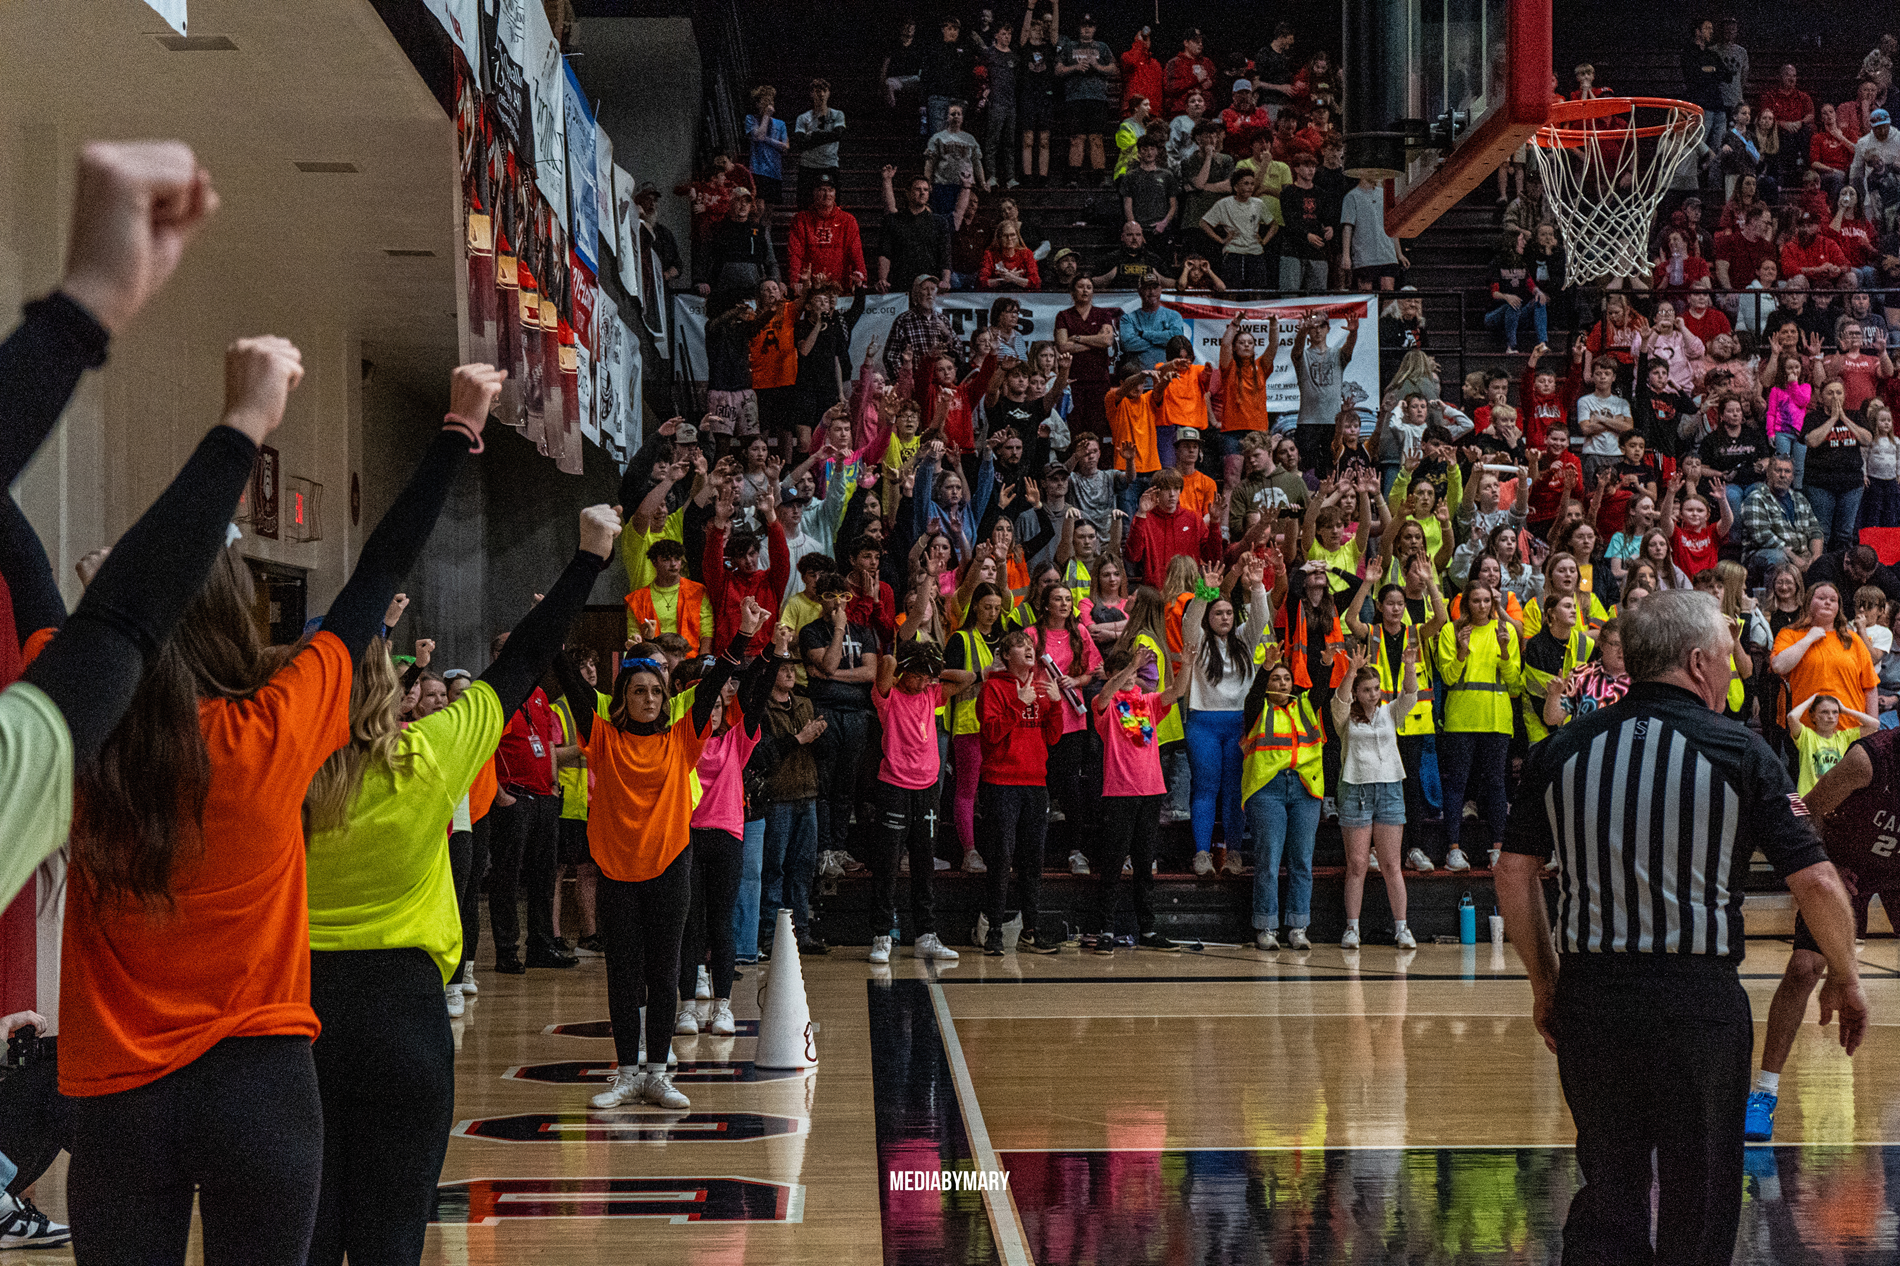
<point>1497,929</point>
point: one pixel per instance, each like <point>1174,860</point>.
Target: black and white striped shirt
<point>1653,807</point>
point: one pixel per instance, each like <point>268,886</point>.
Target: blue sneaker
<point>1759,1126</point>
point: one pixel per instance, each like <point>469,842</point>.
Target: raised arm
<point>537,636</point>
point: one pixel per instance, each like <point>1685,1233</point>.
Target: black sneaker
<point>593,945</point>
<point>1032,943</point>
<point>549,956</point>
<point>1102,944</point>
<point>993,946</point>
<point>1156,941</point>
<point>809,944</point>
<point>509,965</point>
<point>23,1226</point>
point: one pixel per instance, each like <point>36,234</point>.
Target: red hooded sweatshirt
<point>728,587</point>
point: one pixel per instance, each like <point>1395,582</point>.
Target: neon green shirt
<point>36,784</point>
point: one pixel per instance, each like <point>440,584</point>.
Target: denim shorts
<point>1371,804</point>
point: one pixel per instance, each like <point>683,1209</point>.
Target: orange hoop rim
<point>1552,134</point>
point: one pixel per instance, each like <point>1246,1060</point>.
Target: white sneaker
<point>1203,864</point>
<point>468,979</point>
<point>1233,865</point>
<point>1417,860</point>
<point>627,1087</point>
<point>23,1226</point>
<point>453,997</point>
<point>1406,940</point>
<point>1494,857</point>
<point>1180,815</point>
<point>1328,809</point>
<point>973,863</point>
<point>846,862</point>
<point>702,987</point>
<point>1078,864</point>
<point>1296,939</point>
<point>662,1093</point>
<point>688,1021</point>
<point>880,949</point>
<point>1128,865</point>
<point>903,864</point>
<point>829,867</point>
<point>1350,940</point>
<point>1265,941</point>
<point>720,1022</point>
<point>928,946</point>
<point>1056,814</point>
<point>1455,860</point>
<point>940,864</point>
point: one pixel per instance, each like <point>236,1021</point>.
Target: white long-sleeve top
<point>1230,693</point>
<point>1370,751</point>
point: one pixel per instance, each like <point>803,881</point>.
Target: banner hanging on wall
<point>583,200</point>
<point>1206,320</point>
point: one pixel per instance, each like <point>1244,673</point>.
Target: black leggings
<point>640,926</point>
<point>717,857</point>
<point>468,860</point>
<point>1075,778</point>
<point>386,1073</point>
<point>906,824</point>
<point>241,1124</point>
<point>522,851</point>
<point>1130,825</point>
<point>36,1121</point>
<point>841,749</point>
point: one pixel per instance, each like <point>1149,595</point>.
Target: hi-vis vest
<point>1293,645</point>
<point>1076,579</point>
<point>1284,738</point>
<point>1170,730</point>
<point>1533,683</point>
<point>1392,676</point>
<point>1478,688</point>
<point>976,657</point>
<point>1017,578</point>
<point>692,600</point>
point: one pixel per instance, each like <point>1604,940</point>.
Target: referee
<point>1652,808</point>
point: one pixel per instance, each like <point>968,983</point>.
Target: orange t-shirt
<point>775,352</point>
<point>1132,421</point>
<point>642,802</point>
<point>1244,398</point>
<point>1198,492</point>
<point>143,994</point>
<point>1184,401</point>
<point>481,792</point>
<point>1845,672</point>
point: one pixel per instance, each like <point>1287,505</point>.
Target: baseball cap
<point>1059,254</point>
<point>1243,85</point>
<point>1878,117</point>
<point>1087,19</point>
<point>1186,435</point>
<point>788,493</point>
<point>1149,281</point>
<point>687,433</point>
<point>646,187</point>
<point>825,180</point>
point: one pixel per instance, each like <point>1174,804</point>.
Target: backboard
<point>1470,75</point>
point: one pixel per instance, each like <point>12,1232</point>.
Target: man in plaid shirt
<point>1778,524</point>
<point>919,329</point>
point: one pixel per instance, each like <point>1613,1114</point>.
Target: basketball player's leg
<point>1806,967</point>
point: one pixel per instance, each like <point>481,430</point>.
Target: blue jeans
<point>1788,445</point>
<point>1213,743</point>
<point>1735,494</point>
<point>1838,513</point>
<point>790,860</point>
<point>1177,775</point>
<point>1307,275</point>
<point>1476,761</point>
<point>1506,317</point>
<point>937,111</point>
<point>1284,818</point>
<point>745,908</point>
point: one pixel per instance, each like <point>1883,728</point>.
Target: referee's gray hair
<point>1659,632</point>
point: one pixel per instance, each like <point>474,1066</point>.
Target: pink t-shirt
<point>910,736</point>
<point>722,781</point>
<point>1130,767</point>
<point>1059,652</point>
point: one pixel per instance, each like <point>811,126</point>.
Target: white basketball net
<point>1603,181</point>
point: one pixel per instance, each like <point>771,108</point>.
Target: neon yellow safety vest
<point>1533,683</point>
<point>1170,730</point>
<point>1392,676</point>
<point>1590,614</point>
<point>1478,688</point>
<point>1076,579</point>
<point>976,657</point>
<point>1284,738</point>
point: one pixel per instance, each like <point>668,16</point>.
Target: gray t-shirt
<point>957,155</point>
<point>1089,84</point>
<point>1364,209</point>
<point>1094,496</point>
<point>819,155</point>
<point>1321,374</point>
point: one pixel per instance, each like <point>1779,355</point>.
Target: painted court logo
<point>949,1179</point>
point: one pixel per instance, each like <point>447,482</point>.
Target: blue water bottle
<point>1467,921</point>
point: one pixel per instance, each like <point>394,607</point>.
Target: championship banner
<point>1205,318</point>
<point>583,198</point>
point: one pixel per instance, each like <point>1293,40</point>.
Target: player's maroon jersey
<point>1863,833</point>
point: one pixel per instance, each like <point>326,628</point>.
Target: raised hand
<point>1147,503</point>
<point>649,629</point>
<point>1212,574</point>
<point>425,651</point>
<point>600,527</point>
<point>472,392</point>
<point>88,566</point>
<point>259,375</point>
<point>671,426</point>
<point>136,205</point>
<point>752,616</point>
<point>397,605</point>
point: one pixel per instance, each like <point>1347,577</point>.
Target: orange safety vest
<point>1293,645</point>
<point>692,606</point>
<point>1017,577</point>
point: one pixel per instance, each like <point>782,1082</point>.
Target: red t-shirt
<point>1860,375</point>
<point>525,758</point>
<point>1088,364</point>
<point>1829,152</point>
<point>1242,128</point>
<point>1790,105</point>
<point>1798,256</point>
<point>1695,552</point>
<point>1856,238</point>
<point>1547,490</point>
<point>1707,325</point>
<point>1744,256</point>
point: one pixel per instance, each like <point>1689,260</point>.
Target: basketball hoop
<point>1605,164</point>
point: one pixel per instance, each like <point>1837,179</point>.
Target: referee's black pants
<point>1654,1060</point>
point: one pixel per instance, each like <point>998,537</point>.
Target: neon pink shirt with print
<point>1130,767</point>
<point>1056,646</point>
<point>910,737</point>
<point>722,780</point>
